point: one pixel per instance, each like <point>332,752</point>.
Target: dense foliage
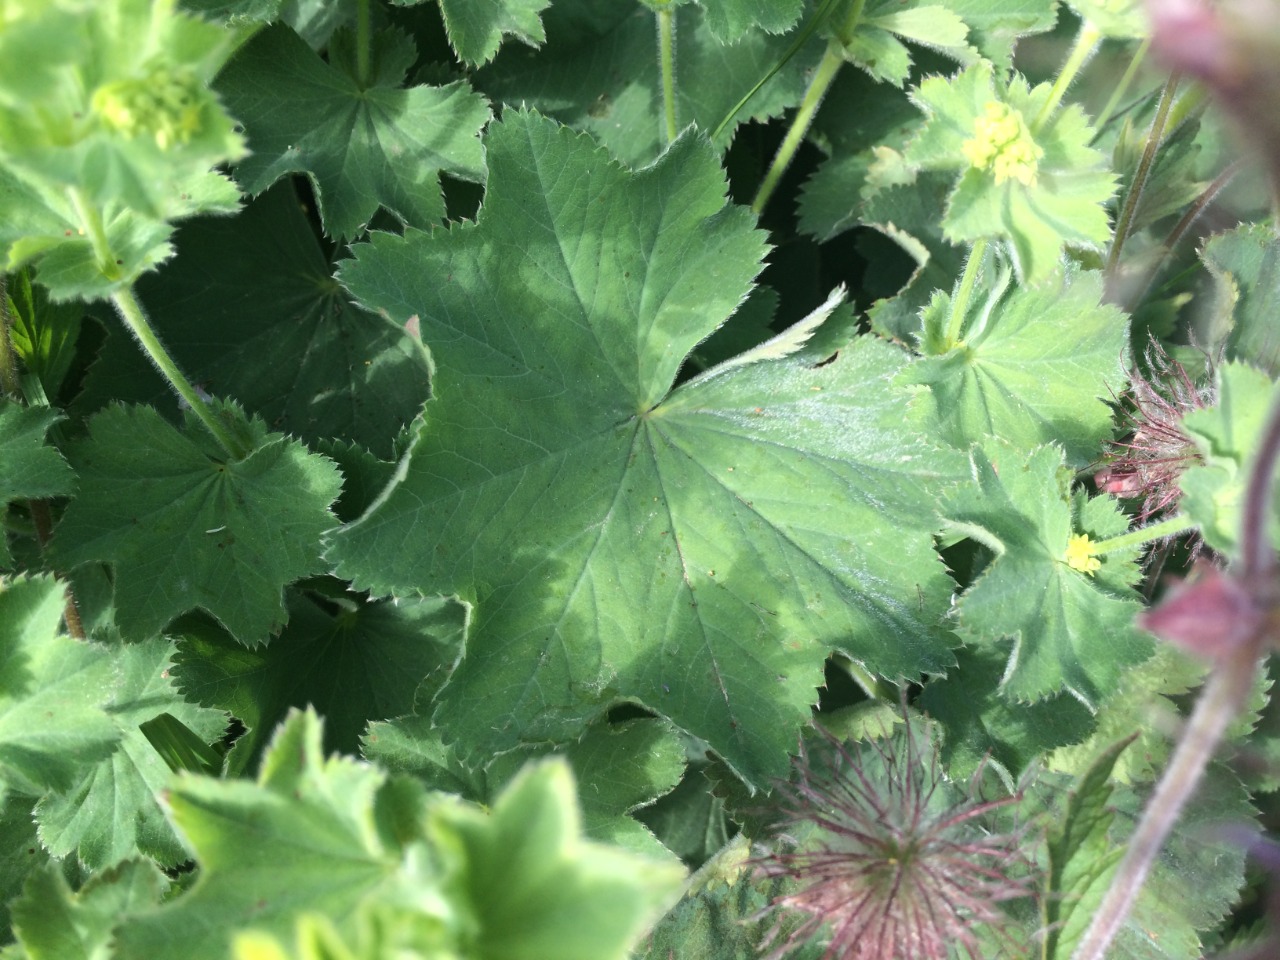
<point>518,479</point>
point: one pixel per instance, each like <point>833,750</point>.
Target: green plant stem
<point>871,685</point>
<point>1154,138</point>
<point>1122,87</point>
<point>832,60</point>
<point>1086,42</point>
<point>92,226</point>
<point>964,293</point>
<point>667,67</point>
<point>131,313</point>
<point>1153,531</point>
<point>364,43</point>
<point>9,383</point>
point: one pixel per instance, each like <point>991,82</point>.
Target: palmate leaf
<point>249,309</point>
<point>598,72</point>
<point>1245,264</point>
<point>189,534</point>
<point>1034,369</point>
<point>53,692</point>
<point>112,812</point>
<point>876,45</point>
<point>700,552</point>
<point>364,144</point>
<point>1069,630</point>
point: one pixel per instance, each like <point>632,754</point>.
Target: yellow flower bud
<point>1003,144</point>
<point>1080,555</point>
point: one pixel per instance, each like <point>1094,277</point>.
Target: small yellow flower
<point>1080,554</point>
<point>166,104</point>
<point>1003,144</point>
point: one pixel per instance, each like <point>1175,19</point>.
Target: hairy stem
<point>832,60</point>
<point>1225,693</point>
<point>1152,531</point>
<point>1125,222</point>
<point>8,361</point>
<point>1086,42</point>
<point>131,313</point>
<point>43,523</point>
<point>667,67</point>
<point>964,293</point>
<point>91,225</point>
<point>1122,87</point>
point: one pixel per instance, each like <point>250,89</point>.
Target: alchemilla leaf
<point>54,692</point>
<point>364,141</point>
<point>1024,177</point>
<point>28,466</point>
<point>113,810</point>
<point>183,526</point>
<point>621,541</point>
<point>1035,368</point>
<point>1068,628</point>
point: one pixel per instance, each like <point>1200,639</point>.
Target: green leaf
<point>1035,368</point>
<point>982,726</point>
<point>476,27</point>
<point>995,26</point>
<point>303,837</point>
<point>730,19</point>
<point>1245,265</point>
<point>113,812</point>
<point>120,111</point>
<point>236,12</point>
<point>183,527</point>
<point>540,892</point>
<point>1120,19</point>
<point>43,334</point>
<point>20,856</point>
<point>1080,852</point>
<point>1039,190</point>
<point>53,923</point>
<point>28,468</point>
<point>1227,435</point>
<point>620,768</point>
<point>271,328</point>
<point>1069,630</point>
<point>352,659</point>
<point>53,692</point>
<point>179,746</point>
<point>598,72</point>
<point>364,143</point>
<point>876,45</point>
<point>616,544</point>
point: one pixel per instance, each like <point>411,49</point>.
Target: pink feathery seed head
<point>1146,464</point>
<point>885,859</point>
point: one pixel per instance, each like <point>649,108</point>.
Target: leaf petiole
<point>1086,43</point>
<point>131,313</point>
<point>667,67</point>
<point>1170,527</point>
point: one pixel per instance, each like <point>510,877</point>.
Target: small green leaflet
<point>616,544</point>
<point>1035,367</point>
<point>1069,630</point>
<point>1227,434</point>
<point>190,535</point>
<point>54,692</point>
<point>364,143</point>
<point>1044,189</point>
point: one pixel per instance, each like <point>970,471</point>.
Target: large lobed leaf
<point>699,552</point>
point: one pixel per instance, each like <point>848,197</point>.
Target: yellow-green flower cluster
<point>1003,144</point>
<point>165,103</point>
<point>1080,555</point>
